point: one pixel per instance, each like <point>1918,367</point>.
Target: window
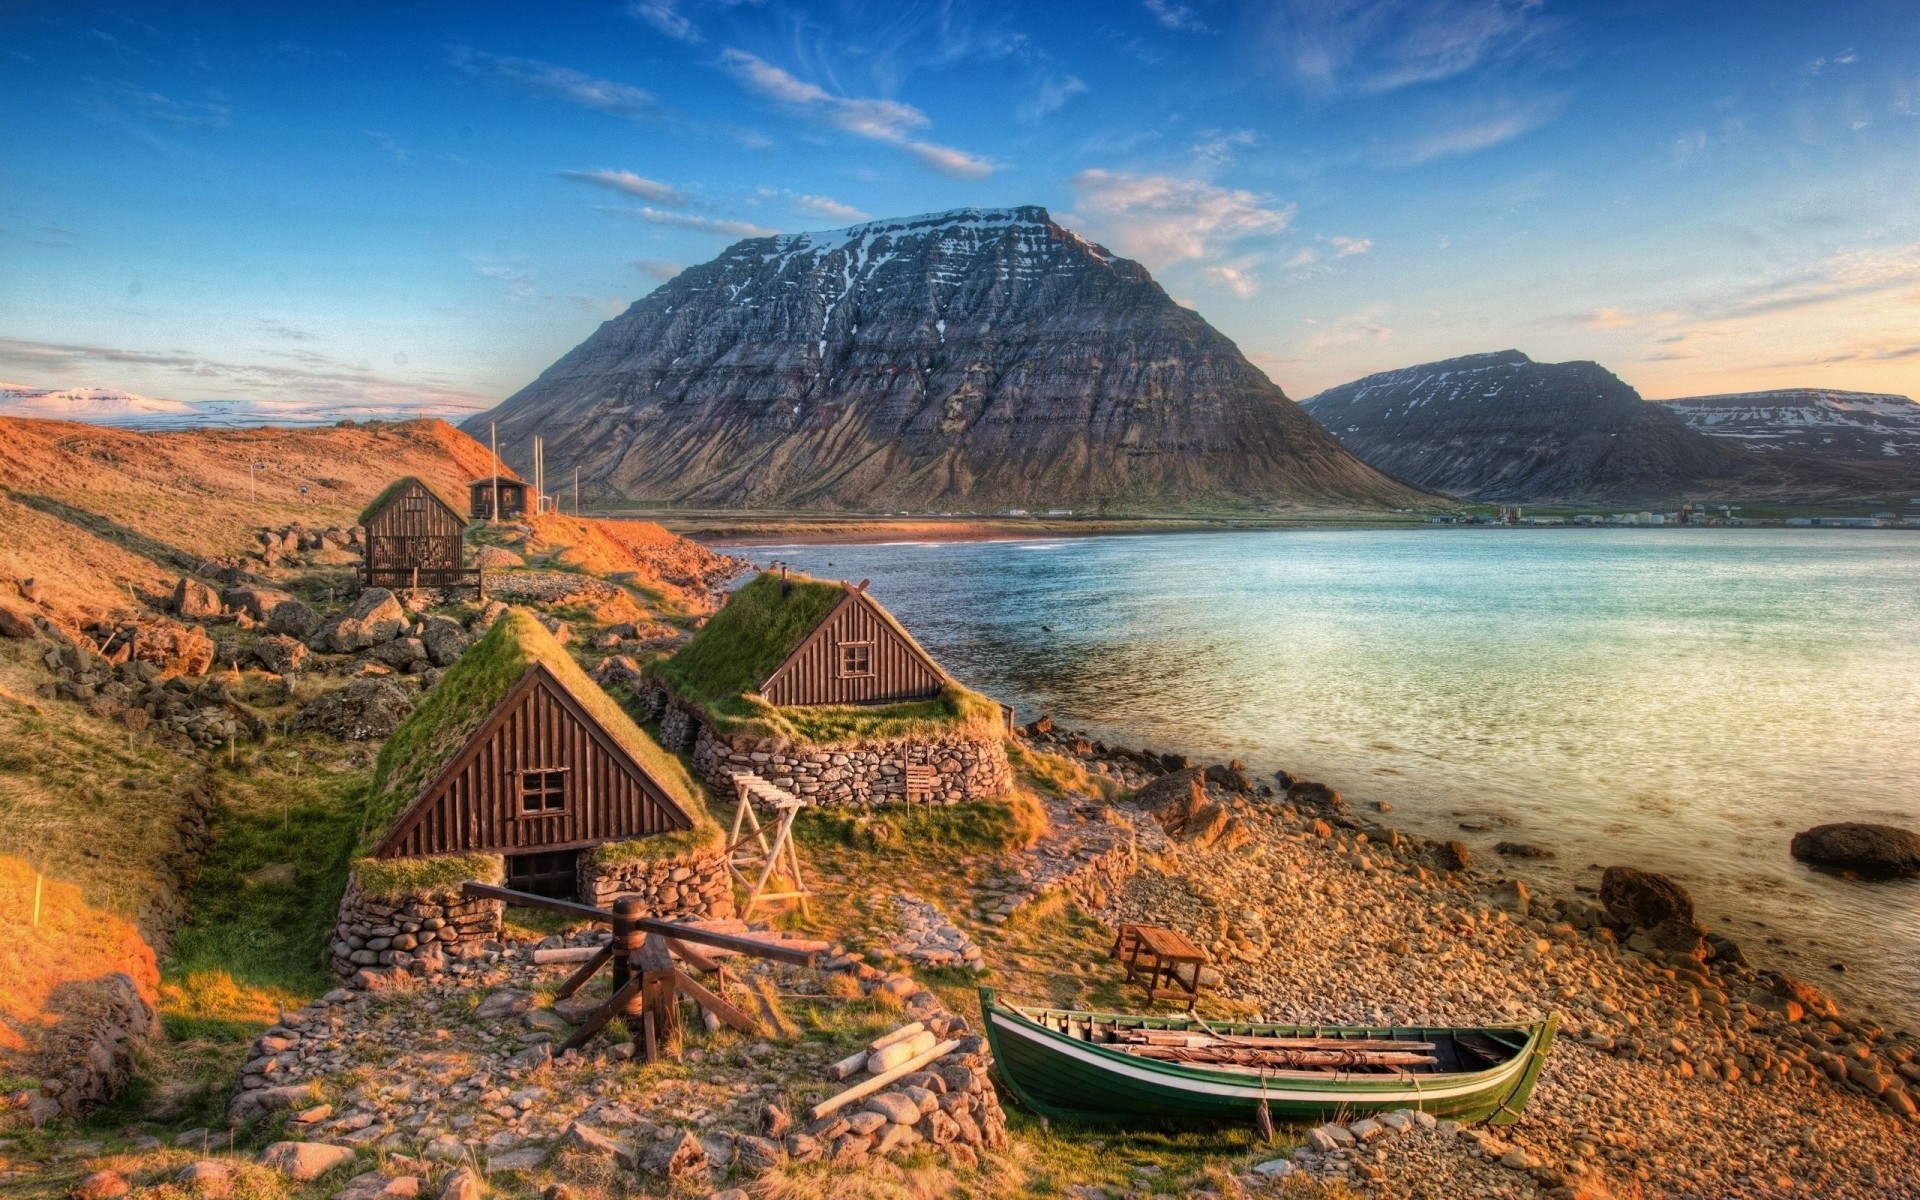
<point>856,658</point>
<point>543,791</point>
<point>414,504</point>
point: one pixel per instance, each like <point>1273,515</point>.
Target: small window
<point>856,658</point>
<point>414,504</point>
<point>543,791</point>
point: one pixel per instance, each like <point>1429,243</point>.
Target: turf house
<point>416,537</point>
<point>815,686</point>
<point>517,768</point>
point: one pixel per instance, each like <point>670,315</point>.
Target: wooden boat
<point>1123,1067</point>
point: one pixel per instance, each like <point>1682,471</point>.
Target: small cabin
<point>415,537</point>
<point>496,497</point>
<point>516,753</point>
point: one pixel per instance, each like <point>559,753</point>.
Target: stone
<point>15,624</point>
<point>1367,1130</point>
<point>1674,937</point>
<point>1869,849</point>
<point>867,1121</point>
<point>280,654</point>
<point>444,640</point>
<point>101,1185</point>
<point>506,1002</point>
<point>191,598</point>
<point>1172,799</point>
<point>1512,895</point>
<point>293,618</point>
<point>1642,899</point>
<point>676,1156</point>
<point>526,1158</point>
<point>363,710</point>
<point>257,602</point>
<point>1522,850</point>
<point>1275,1168</point>
<point>175,648</point>
<point>209,1176</point>
<point>462,1184</point>
<point>594,1142</point>
<point>1452,856</point>
<point>758,1153</point>
<point>304,1161</point>
<point>375,616</point>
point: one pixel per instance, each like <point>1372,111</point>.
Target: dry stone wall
<point>696,886</point>
<point>414,934</point>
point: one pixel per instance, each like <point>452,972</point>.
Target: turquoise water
<point>1681,700</point>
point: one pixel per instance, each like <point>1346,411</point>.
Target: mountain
<point>130,410</point>
<point>1871,426</point>
<point>1502,427</point>
<point>93,405</point>
<point>977,359</point>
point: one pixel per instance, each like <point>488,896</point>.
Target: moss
<point>393,489</point>
<point>703,839</point>
<point>735,651</point>
<point>469,693</point>
<point>390,879</point>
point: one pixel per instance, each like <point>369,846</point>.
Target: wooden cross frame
<point>743,858</point>
<point>647,984</point>
<point>920,777</point>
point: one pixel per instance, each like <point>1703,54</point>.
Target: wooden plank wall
<point>900,672</point>
<point>400,538</point>
<point>478,808</point>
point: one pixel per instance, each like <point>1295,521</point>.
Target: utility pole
<point>576,491</point>
<point>493,441</point>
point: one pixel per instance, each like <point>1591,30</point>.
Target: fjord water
<point>1681,699</point>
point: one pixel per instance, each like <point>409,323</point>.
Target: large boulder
<point>363,710</point>
<point>175,648</point>
<point>445,640</point>
<point>256,601</point>
<point>1643,899</point>
<point>279,653</point>
<point>304,1161</point>
<point>191,598</point>
<point>293,618</point>
<point>1873,849</point>
<point>1173,799</point>
<point>374,617</point>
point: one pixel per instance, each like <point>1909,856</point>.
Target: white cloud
<point>631,184</point>
<point>826,206</point>
<point>1346,247</point>
<point>1474,131</point>
<point>744,229</point>
<point>1165,221</point>
<point>1236,277</point>
<point>555,82</point>
<point>658,270</point>
<point>1306,257</point>
<point>516,278</point>
<point>889,121</point>
<point>1219,147</point>
<point>1051,96</point>
<point>663,16</point>
<point>1177,17</point>
<point>1381,45</point>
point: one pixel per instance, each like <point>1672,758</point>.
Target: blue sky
<point>427,204</point>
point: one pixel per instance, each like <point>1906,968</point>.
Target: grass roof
<point>435,732</point>
<point>734,652</point>
<point>393,489</point>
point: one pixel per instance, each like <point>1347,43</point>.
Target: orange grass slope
<point>680,573</point>
<point>91,511</point>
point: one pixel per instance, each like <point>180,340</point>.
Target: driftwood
<point>562,954</point>
<point>868,1087</point>
<point>899,1035</point>
<point>847,1066</point>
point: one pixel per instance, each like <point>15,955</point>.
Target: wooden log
<point>579,978</point>
<point>659,992</point>
<point>612,1008</point>
<point>565,954</point>
<point>700,960</point>
<point>847,1066</point>
<point>714,1005</point>
<point>899,1035</point>
<point>794,952</point>
<point>868,1087</point>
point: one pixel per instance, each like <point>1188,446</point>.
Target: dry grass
<point>1058,776</point>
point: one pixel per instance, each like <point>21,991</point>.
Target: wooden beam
<point>870,1086</point>
<point>579,978</point>
<point>606,1012</point>
<point>795,952</point>
<point>696,959</point>
<point>715,1004</point>
<point>566,908</point>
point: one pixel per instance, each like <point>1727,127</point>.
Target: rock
<point>617,670</point>
<point>401,653</point>
<point>256,602</point>
<point>209,1176</point>
<point>280,653</point>
<point>594,1142</point>
<point>101,1185</point>
<point>1275,1168</point>
<point>462,1184</point>
<point>1512,895</point>
<point>1173,799</point>
<point>293,618</point>
<point>1642,899</point>
<point>495,558</point>
<point>175,648</point>
<point>1674,937</point>
<point>775,1120</point>
<point>677,1156</point>
<point>191,598</point>
<point>444,639</point>
<point>1452,856</point>
<point>1522,850</point>
<point>506,1002</point>
<point>363,710</point>
<point>374,617</point>
<point>1869,849</point>
<point>894,1107</point>
<point>303,1161</point>
<point>250,1104</point>
<point>1811,999</point>
<point>758,1153</point>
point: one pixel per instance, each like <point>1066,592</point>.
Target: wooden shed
<point>512,498</point>
<point>517,753</point>
<point>416,537</point>
<point>799,642</point>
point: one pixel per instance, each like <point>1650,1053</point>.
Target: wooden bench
<point>920,780</point>
<point>1160,952</point>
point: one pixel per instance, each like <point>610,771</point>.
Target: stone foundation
<point>697,886</point>
<point>98,1055</point>
<point>415,934</point>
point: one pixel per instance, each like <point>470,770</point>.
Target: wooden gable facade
<point>857,654</point>
<point>415,538</point>
<point>480,500</point>
<point>540,774</point>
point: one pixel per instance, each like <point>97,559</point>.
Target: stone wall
<point>414,934</point>
<point>697,886</point>
<point>97,1053</point>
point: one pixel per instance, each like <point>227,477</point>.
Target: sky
<point>421,206</point>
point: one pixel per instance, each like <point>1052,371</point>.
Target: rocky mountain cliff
<point>1502,427</point>
<point>1873,426</point>
<point>971,360</point>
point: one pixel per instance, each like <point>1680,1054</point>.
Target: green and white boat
<point>1130,1068</point>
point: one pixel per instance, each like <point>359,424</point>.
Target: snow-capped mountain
<point>130,410</point>
<point>1860,425</point>
<point>976,359</point>
<point>106,406</point>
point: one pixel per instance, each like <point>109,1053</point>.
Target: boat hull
<point>1066,1078</point>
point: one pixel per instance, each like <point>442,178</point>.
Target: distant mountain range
<point>1874,426</point>
<point>971,360</point>
<point>1501,427</point>
<point>130,410</point>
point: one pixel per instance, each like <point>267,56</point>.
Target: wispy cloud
<point>889,121</point>
<point>1178,17</point>
<point>658,270</point>
<point>1051,96</point>
<point>630,184</point>
<point>1845,58</point>
<point>1845,276</point>
<point>555,83</point>
<point>1363,326</point>
<point>826,206</point>
<point>1346,247</point>
<point>1480,128</point>
<point>516,278</point>
<point>666,17</point>
<point>1372,46</point>
<point>281,329</point>
<point>1165,220</point>
<point>390,144</point>
<point>674,220</point>
<point>185,114</point>
<point>1221,147</point>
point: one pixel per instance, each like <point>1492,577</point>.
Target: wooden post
<point>659,993</point>
<point>493,440</point>
<point>626,938</point>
